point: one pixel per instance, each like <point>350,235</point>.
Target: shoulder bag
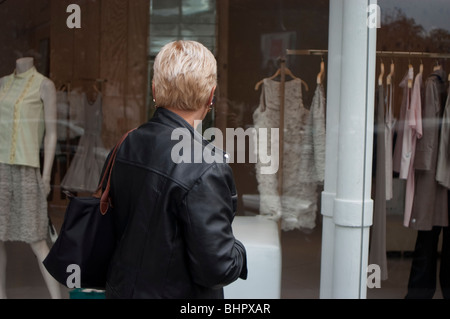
<point>82,252</point>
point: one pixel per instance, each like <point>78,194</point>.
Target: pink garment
<point>412,132</point>
<point>407,137</point>
<point>400,124</point>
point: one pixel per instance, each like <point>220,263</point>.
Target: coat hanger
<point>96,89</point>
<point>421,67</point>
<point>321,74</point>
<point>391,74</point>
<point>437,66</point>
<point>97,83</point>
<point>277,73</point>
<point>65,87</point>
<point>410,75</point>
<point>380,78</point>
<point>92,95</point>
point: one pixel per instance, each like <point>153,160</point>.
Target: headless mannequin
<point>40,249</point>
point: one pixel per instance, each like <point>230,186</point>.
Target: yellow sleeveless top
<point>21,118</point>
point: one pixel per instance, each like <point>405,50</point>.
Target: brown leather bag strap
<point>104,200</point>
<point>98,191</point>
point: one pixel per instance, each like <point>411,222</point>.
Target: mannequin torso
<point>48,97</point>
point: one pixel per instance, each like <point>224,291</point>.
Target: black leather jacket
<point>173,220</point>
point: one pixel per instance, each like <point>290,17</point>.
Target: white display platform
<point>261,239</point>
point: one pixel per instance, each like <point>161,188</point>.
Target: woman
<point>173,216</point>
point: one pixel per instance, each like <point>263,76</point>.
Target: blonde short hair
<point>184,75</point>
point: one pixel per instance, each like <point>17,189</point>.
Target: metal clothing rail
<point>93,79</point>
<point>400,54</point>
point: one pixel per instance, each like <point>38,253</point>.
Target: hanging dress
<point>389,138</point>
<point>413,132</point>
<point>67,129</point>
<point>430,204</point>
<point>400,124</point>
<point>443,166</point>
<point>85,169</point>
<point>317,123</point>
<point>297,204</point>
<point>23,202</point>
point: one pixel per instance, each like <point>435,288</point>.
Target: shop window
<point>182,20</point>
<point>172,20</point>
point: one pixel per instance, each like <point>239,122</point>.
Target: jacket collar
<point>172,119</point>
<point>440,74</point>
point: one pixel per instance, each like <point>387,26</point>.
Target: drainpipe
<point>352,205</point>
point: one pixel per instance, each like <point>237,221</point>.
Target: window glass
<point>274,84</point>
<point>182,19</point>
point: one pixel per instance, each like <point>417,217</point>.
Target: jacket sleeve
<point>216,257</point>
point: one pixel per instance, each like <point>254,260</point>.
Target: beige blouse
<point>21,118</point>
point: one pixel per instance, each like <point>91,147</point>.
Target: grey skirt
<point>23,204</point>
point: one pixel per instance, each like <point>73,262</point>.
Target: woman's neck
<point>24,64</point>
<point>192,117</point>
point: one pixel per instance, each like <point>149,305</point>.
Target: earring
<point>212,104</point>
<point>154,101</point>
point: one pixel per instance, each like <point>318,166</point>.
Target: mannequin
<point>47,94</point>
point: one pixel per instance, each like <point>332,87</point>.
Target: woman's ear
<point>211,97</point>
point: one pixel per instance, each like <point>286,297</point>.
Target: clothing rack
<point>381,54</point>
<point>92,79</point>
<point>400,54</point>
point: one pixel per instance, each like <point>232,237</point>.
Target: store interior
<point>111,56</point>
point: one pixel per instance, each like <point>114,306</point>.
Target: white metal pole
<point>329,192</point>
<point>353,206</point>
